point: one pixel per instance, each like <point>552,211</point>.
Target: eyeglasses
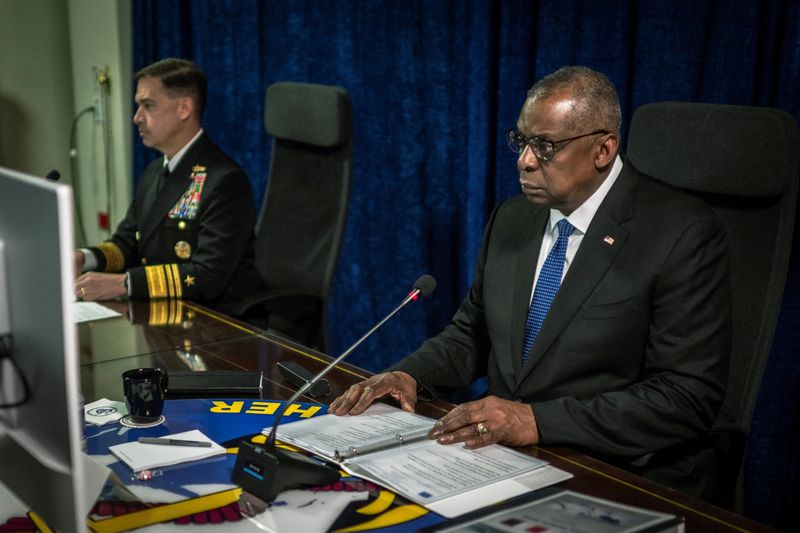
<point>543,149</point>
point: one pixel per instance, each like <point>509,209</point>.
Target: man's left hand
<point>487,421</point>
<point>96,286</point>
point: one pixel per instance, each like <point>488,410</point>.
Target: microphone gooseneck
<point>265,471</point>
<point>424,285</point>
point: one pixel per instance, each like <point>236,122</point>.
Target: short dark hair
<point>180,77</point>
<point>597,103</point>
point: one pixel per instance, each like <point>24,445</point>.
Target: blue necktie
<point>546,287</point>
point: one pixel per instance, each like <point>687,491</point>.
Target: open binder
<point>387,446</point>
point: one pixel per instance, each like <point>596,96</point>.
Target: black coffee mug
<point>145,390</point>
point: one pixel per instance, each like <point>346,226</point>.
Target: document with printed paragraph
<point>388,446</point>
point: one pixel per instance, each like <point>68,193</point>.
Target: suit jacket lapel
<point>148,194</point>
<point>601,244</point>
<point>171,191</point>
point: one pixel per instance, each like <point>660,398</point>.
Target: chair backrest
<point>743,161</point>
<point>302,218</point>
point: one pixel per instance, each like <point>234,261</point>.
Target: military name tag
<point>183,249</point>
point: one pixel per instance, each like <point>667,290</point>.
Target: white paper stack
<point>140,456</point>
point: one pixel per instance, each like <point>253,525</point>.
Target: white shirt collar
<point>172,163</point>
<point>582,217</point>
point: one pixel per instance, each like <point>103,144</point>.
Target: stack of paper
<point>140,456</point>
<point>388,446</point>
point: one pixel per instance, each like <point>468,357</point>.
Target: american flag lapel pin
<point>608,239</point>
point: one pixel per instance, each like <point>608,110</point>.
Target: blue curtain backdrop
<point>434,85</point>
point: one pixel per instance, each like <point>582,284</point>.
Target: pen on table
<point>381,444</point>
<point>175,442</point>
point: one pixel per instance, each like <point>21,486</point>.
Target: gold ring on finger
<point>482,429</point>
<point>83,291</point>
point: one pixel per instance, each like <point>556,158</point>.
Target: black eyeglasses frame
<point>513,136</point>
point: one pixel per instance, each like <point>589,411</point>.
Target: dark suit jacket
<point>181,242</point>
<point>632,359</point>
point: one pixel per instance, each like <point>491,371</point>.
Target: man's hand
<point>487,421</point>
<point>78,260</point>
<point>95,286</point>
<point>399,385</point>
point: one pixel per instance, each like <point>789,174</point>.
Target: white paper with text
<point>325,435</point>
<point>440,477</point>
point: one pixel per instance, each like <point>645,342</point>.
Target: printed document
<point>90,311</point>
<point>568,512</point>
<point>388,446</point>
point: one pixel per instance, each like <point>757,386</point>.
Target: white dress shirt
<point>580,220</point>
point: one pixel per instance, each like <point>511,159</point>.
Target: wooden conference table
<point>184,336</point>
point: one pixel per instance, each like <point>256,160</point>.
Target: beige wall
<point>100,42</point>
<point>35,86</point>
<point>50,54</point>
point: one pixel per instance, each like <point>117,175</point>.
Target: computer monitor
<point>40,440</point>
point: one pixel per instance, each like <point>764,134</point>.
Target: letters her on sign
<point>254,407</point>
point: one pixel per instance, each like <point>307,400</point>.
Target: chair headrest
<point>308,113</point>
<point>717,149</point>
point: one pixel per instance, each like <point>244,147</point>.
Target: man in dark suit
<point>628,360</point>
<point>189,231</point>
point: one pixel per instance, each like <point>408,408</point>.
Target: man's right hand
<point>399,385</point>
<point>78,260</point>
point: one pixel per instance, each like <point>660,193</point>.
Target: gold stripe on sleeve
<point>156,281</point>
<point>170,283</point>
<point>115,261</point>
<point>176,280</point>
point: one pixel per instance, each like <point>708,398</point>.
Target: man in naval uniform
<point>189,232</point>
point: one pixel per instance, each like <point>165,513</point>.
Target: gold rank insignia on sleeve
<point>115,261</point>
<point>164,281</point>
<point>189,281</point>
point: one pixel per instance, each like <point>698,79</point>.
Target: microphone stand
<point>267,470</point>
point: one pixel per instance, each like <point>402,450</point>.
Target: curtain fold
<point>434,86</point>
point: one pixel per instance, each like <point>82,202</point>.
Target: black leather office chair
<point>744,162</point>
<point>302,218</point>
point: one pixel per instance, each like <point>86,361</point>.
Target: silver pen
<point>381,444</point>
<point>174,442</point>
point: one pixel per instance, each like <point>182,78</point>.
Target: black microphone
<point>267,470</point>
<point>53,175</point>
